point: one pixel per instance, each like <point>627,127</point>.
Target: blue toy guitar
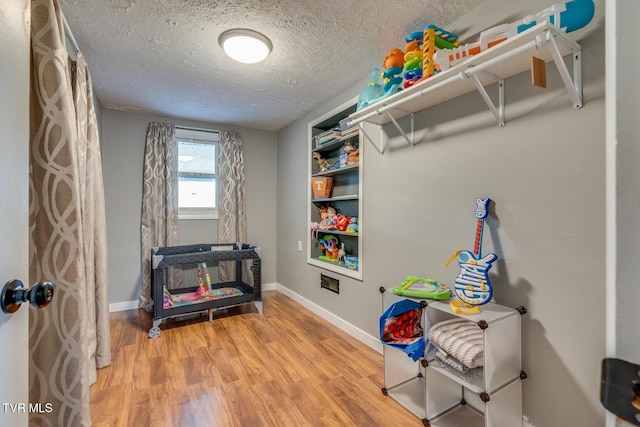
<point>472,283</point>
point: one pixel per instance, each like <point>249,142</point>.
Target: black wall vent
<point>330,283</point>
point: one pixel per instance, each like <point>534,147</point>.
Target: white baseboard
<point>269,286</point>
<point>342,324</point>
<point>122,306</point>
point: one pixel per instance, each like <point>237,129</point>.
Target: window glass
<point>197,173</point>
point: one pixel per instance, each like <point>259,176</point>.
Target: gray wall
<point>545,172</point>
<point>123,137</point>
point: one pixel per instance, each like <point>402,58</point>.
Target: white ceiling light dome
<point>246,46</point>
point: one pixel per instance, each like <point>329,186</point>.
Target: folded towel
<point>460,338</point>
<point>452,364</point>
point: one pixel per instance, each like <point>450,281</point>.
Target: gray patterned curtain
<point>232,217</point>
<point>159,225</point>
<point>69,339</point>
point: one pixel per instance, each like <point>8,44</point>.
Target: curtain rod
<point>198,129</point>
<point>67,31</point>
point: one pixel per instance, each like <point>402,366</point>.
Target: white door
<point>14,206</point>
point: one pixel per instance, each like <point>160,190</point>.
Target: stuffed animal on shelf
<point>323,163</point>
<point>354,157</point>
<point>314,225</point>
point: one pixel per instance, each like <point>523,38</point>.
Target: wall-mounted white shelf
<point>493,65</point>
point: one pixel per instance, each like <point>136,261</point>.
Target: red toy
<point>403,328</point>
<point>342,222</point>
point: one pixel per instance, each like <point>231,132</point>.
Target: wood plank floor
<point>287,367</point>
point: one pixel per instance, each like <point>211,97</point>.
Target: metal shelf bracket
<point>366,136</point>
<point>573,87</point>
<point>410,140</point>
<point>498,112</point>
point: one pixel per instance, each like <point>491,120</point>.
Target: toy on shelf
<point>351,262</point>
<point>329,244</point>
<point>323,164</point>
<point>342,222</point>
<point>353,225</point>
<point>412,59</point>
<point>400,328</point>
<point>394,58</point>
<point>341,254</point>
<point>328,216</point>
<point>392,73</point>
<point>568,17</point>
<point>418,287</point>
<point>435,37</point>
<point>314,226</point>
<point>373,92</point>
<point>391,77</point>
<point>354,157</point>
<point>472,284</point>
<point>349,155</point>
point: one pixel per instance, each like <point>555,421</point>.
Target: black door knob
<point>14,294</point>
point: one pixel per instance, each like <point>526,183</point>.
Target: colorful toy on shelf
<point>371,92</point>
<point>415,37</point>
<point>568,17</point>
<point>472,284</point>
<point>412,59</point>
<point>392,69</point>
<point>342,222</point>
<point>394,58</point>
<point>351,262</point>
<point>329,244</point>
<point>435,37</point>
<point>417,287</point>
<point>327,218</point>
<point>353,225</point>
<point>391,77</point>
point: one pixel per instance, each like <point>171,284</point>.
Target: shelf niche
<point>346,193</point>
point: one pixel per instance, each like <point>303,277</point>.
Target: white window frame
<point>204,136</point>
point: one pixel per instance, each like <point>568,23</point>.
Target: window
<point>197,173</point>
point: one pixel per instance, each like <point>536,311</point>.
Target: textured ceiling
<point>163,56</point>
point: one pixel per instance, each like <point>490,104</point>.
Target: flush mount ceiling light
<point>246,46</point>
